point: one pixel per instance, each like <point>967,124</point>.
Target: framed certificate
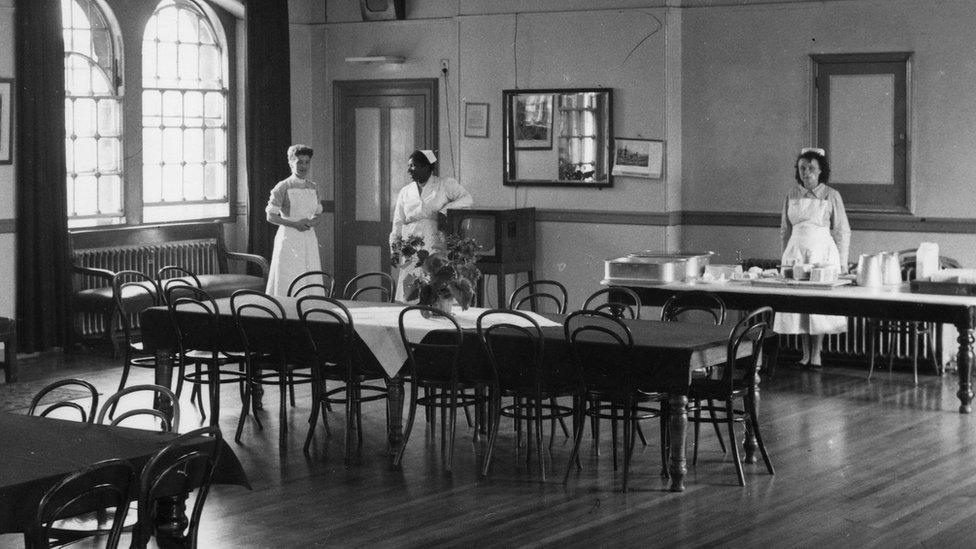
<point>476,120</point>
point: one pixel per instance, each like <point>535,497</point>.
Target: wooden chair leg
<point>753,418</point>
<point>409,427</point>
<point>578,428</point>
<point>872,333</point>
<point>495,411</point>
<point>730,416</point>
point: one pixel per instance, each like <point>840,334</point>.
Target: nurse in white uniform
<point>420,203</point>
<point>295,207</point>
<point>815,229</point>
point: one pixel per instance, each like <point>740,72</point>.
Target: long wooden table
<point>669,350</point>
<point>889,302</point>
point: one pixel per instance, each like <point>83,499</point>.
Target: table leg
<point>164,377</point>
<point>171,521</point>
<point>965,361</point>
<point>394,413</point>
<point>677,466</point>
<point>749,443</point>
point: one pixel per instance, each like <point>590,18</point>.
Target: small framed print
<point>476,120</point>
<point>638,157</point>
<point>6,120</point>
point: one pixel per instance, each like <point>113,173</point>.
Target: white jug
<point>926,260</point>
<point>869,270</point>
<point>890,268</point>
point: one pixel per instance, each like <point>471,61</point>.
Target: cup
<point>801,271</point>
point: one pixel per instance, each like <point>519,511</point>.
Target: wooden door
<point>378,124</point>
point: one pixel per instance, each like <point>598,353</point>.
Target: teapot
<point>890,268</point>
<point>869,270</point>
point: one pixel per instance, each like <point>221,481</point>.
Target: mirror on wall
<point>558,137</point>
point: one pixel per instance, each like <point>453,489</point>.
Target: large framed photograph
<point>638,157</point>
<point>476,120</point>
<point>533,121</point>
<point>6,120</point>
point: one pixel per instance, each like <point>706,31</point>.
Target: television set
<point>506,235</point>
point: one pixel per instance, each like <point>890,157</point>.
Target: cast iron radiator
<point>197,256</point>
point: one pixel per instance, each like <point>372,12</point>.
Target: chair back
<point>907,259</point>
<point>541,296</point>
<point>372,286</point>
<point>259,318</point>
<point>682,306</point>
<point>437,361</point>
<point>515,347</point>
<point>174,275</point>
<point>312,283</point>
<point>86,416</point>
<point>134,292</point>
<point>195,318</point>
<point>182,466</point>
<point>619,301</point>
<point>168,422</point>
<point>329,338</point>
<point>753,328</point>
<point>98,487</point>
<point>602,346</point>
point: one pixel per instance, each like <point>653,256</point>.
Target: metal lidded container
<point>656,267</point>
<point>694,261</point>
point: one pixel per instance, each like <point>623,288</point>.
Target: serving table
<point>669,351</point>
<point>37,452</point>
<point>891,302</point>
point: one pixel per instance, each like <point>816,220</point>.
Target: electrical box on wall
<point>379,10</point>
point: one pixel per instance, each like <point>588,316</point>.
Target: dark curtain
<point>43,276</point>
<point>268,107</point>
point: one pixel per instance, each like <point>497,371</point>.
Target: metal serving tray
<point>651,269</point>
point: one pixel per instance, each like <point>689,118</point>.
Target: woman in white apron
<point>295,207</point>
<point>418,206</point>
<point>815,229</point>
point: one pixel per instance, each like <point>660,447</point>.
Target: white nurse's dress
<point>295,252</point>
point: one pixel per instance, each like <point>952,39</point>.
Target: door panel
<point>378,125</point>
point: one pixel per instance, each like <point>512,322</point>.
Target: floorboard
<point>872,464</point>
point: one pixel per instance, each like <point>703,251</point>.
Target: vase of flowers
<point>445,277</point>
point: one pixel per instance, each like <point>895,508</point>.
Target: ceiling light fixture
<point>376,59</point>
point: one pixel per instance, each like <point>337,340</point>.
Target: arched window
<point>184,115</point>
<point>93,114</point>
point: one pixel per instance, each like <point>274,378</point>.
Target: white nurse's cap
<point>430,156</point>
<point>820,152</point>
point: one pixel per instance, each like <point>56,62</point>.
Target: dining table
<point>37,452</point>
<point>668,351</point>
<point>894,302</point>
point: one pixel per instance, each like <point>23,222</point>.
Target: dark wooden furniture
<point>87,416</point>
<point>8,336</point>
<point>507,238</point>
<point>312,283</point>
<point>97,254</point>
<point>618,301</point>
<point>893,303</point>
<point>669,350</point>
<point>371,286</point>
<point>169,420</point>
<point>38,451</point>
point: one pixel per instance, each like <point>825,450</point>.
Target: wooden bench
<point>97,254</point>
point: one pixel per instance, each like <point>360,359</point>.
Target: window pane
<point>108,155</point>
<point>172,145</point>
<point>193,109</point>
<point>215,181</point>
<point>210,67</point>
<point>152,102</point>
<point>193,181</point>
<point>110,194</point>
<point>214,108</point>
<point>187,26</point>
<point>86,195</point>
<point>69,116</point>
<point>69,147</point>
<point>172,108</point>
<point>216,145</point>
<point>152,145</point>
<point>85,119</point>
<point>149,68</point>
<point>193,145</point>
<point>85,155</point>
<point>166,24</point>
<point>172,182</point>
<point>166,64</point>
<point>108,118</point>
<point>151,190</point>
<point>100,84</point>
<point>188,65</point>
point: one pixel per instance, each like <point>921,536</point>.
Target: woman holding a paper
<point>815,231</point>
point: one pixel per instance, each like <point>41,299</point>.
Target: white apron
<point>810,242</point>
<point>423,209</point>
<point>295,252</point>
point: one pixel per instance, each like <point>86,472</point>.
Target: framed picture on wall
<point>533,120</point>
<point>476,120</point>
<point>638,157</point>
<point>6,120</point>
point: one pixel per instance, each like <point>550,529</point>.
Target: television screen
<point>482,229</point>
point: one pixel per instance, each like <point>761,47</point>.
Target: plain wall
<point>8,248</point>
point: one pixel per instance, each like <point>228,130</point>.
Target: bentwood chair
<point>182,467</point>
<point>435,366</point>
<point>87,416</point>
<point>195,317</point>
<point>515,347</point>
<point>609,300</point>
<point>615,387</point>
<point>372,286</point>
<point>102,489</point>
<point>329,349</point>
<point>260,321</point>
<point>134,292</point>
<point>698,306</point>
<point>172,275</point>
<point>908,332</point>
<point>312,283</point>
<point>169,419</point>
<point>540,296</point>
<point>737,381</point>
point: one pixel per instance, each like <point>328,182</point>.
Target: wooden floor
<point>880,464</point>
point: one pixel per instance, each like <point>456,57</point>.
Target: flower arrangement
<point>444,276</point>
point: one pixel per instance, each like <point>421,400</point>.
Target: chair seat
<point>716,389</point>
